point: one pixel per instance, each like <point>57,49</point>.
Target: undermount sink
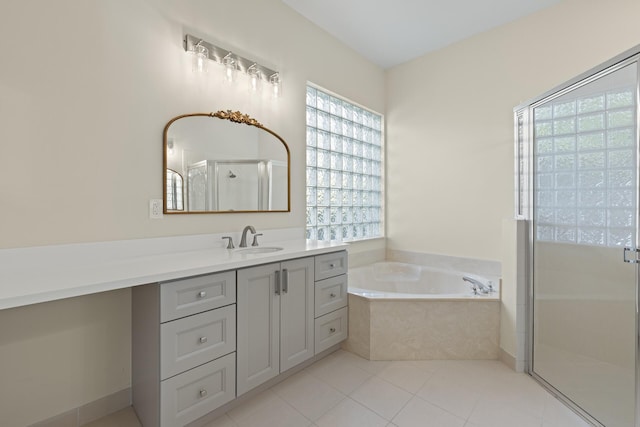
<point>259,250</point>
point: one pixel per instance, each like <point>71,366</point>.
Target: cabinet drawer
<point>185,297</point>
<point>195,393</point>
<point>331,294</point>
<point>331,329</point>
<point>330,265</point>
<point>194,340</point>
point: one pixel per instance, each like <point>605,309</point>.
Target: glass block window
<point>585,169</point>
<point>344,169</point>
<point>521,166</point>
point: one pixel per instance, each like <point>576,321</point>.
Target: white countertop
<point>34,275</point>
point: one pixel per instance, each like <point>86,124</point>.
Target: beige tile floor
<point>344,390</point>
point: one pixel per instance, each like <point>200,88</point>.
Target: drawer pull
<point>285,280</point>
<point>202,294</point>
<point>203,393</point>
<point>332,295</point>
<point>203,340</point>
<point>332,265</point>
<point>332,330</point>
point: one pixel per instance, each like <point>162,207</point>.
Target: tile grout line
<point>402,388</point>
<point>401,409</point>
<point>313,422</point>
<point>292,407</point>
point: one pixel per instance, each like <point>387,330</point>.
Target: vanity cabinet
<point>201,341</point>
<point>184,342</point>
<point>275,320</point>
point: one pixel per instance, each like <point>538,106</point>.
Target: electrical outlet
<point>155,208</point>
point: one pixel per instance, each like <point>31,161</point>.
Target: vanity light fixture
<point>254,78</point>
<point>276,84</point>
<point>200,58</point>
<point>231,64</point>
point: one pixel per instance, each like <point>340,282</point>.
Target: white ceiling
<point>390,32</point>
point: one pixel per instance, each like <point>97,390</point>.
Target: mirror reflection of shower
<point>237,185</point>
<point>195,143</point>
<point>175,190</point>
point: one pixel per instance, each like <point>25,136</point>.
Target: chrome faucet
<point>485,288</point>
<point>243,241</point>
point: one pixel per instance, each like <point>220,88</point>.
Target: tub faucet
<point>243,241</point>
<point>477,284</point>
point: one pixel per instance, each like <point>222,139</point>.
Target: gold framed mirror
<point>226,162</point>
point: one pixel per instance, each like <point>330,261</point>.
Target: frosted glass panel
<point>344,166</point>
<point>591,217</point>
<point>590,141</point>
<point>586,141</point>
<point>591,122</point>
<point>589,104</point>
<point>585,211</point>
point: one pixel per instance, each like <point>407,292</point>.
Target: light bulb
<point>230,67</point>
<point>254,78</point>
<point>200,59</point>
<point>276,85</point>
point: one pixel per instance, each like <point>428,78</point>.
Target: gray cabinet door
<point>296,312</point>
<point>258,326</point>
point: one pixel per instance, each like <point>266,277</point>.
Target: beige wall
<point>59,355</point>
<point>450,125</point>
<point>86,88</point>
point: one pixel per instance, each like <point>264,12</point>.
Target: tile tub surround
<point>398,328</point>
<point>420,330</point>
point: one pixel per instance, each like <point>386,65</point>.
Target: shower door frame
<point>526,210</point>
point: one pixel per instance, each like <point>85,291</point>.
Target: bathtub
<point>395,280</point>
<point>400,311</point>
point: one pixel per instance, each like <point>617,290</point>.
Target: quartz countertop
<point>35,275</point>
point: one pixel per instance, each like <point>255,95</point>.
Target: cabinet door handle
<point>332,330</point>
<point>203,393</point>
<point>203,340</point>
<point>285,281</point>
<point>277,282</point>
<point>202,294</point>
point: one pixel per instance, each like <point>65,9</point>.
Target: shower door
<point>585,202</point>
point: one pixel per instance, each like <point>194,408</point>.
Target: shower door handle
<point>634,257</point>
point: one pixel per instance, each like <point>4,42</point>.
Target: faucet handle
<point>230,244</point>
<point>255,239</point>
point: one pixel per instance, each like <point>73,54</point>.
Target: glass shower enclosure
<point>577,167</point>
